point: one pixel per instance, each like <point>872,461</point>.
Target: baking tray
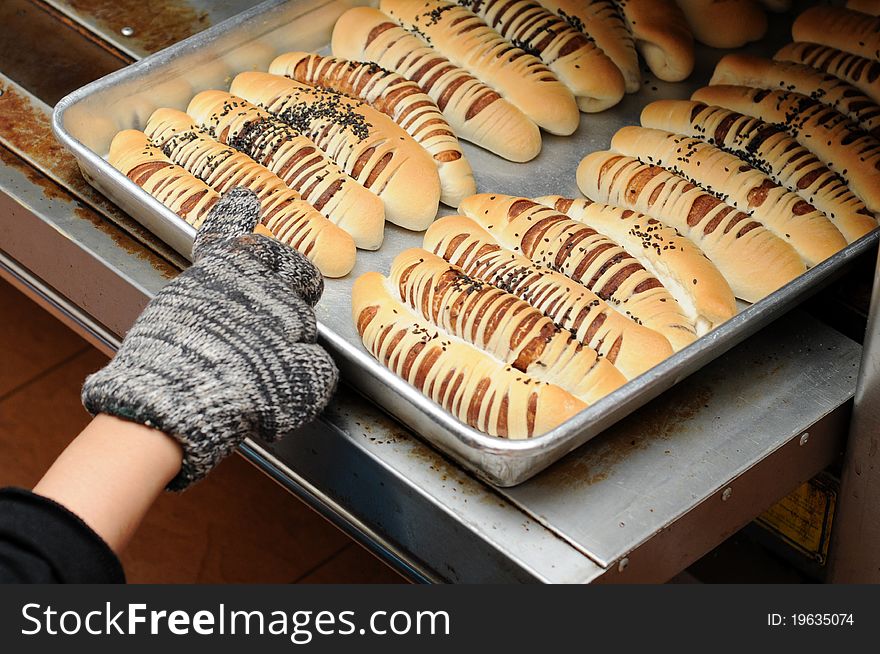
<point>86,120</point>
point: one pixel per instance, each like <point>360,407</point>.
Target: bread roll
<point>662,36</point>
<point>365,143</point>
<point>476,388</point>
<point>284,213</point>
<point>631,347</point>
<point>468,42</point>
<point>602,22</point>
<point>396,97</point>
<point>871,7</point>
<point>592,77</point>
<point>298,162</point>
<point>757,72</point>
<point>837,27</point>
<point>725,23</point>
<point>551,239</point>
<point>772,150</point>
<point>733,241</point>
<point>784,213</point>
<point>501,325</point>
<point>862,73</point>
<point>848,151</point>
<point>694,281</point>
<point>132,154</point>
<point>476,112</point>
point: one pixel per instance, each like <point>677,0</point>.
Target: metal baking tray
<point>86,120</point>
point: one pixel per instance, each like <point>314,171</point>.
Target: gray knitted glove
<point>225,351</point>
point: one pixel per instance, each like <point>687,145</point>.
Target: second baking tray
<point>87,120</point>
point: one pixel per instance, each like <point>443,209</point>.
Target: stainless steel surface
<point>87,119</point>
<point>854,556</point>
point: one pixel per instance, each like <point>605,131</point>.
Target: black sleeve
<point>43,542</point>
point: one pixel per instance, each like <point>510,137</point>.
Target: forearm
<point>111,474</point>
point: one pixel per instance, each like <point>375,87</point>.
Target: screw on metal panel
<point>621,565</point>
<point>127,31</point>
<point>804,438</point>
<point>725,495</point>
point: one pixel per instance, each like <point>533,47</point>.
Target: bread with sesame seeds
<point>845,149</point>
<point>841,28</point>
<point>476,112</point>
<point>575,59</point>
<point>630,346</point>
<point>473,386</point>
<point>464,39</point>
<point>399,99</point>
<point>725,23</point>
<point>761,73</point>
<point>132,154</point>
<point>862,73</point>
<point>298,162</point>
<point>871,7</point>
<point>549,238</point>
<point>692,279</point>
<point>365,143</point>
<point>754,261</point>
<point>501,325</point>
<point>772,150</point>
<point>662,36</point>
<point>784,213</point>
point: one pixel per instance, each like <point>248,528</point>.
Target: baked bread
<point>725,23</point>
<point>399,99</point>
<point>837,27</point>
<point>584,68</point>
<point>501,325</point>
<point>848,151</point>
<point>365,143</point>
<point>761,73</point>
<point>696,284</point>
<point>738,245</point>
<point>298,162</point>
<point>132,154</point>
<point>662,36</point>
<point>467,41</point>
<point>871,7</point>
<point>631,347</point>
<point>551,239</point>
<point>475,387</point>
<point>602,22</point>
<point>476,112</point>
<point>292,220</point>
<point>862,73</point>
<point>772,150</point>
<point>784,213</point>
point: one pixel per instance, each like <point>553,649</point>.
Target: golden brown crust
<point>551,239</point>
<point>862,73</point>
<point>733,241</point>
<point>365,143</point>
<point>500,324</point>
<point>772,150</point>
<point>662,36</point>
<point>725,23</point>
<point>694,281</point>
<point>476,388</point>
<point>837,27</point>
<point>467,41</point>
<point>298,162</point>
<point>584,68</point>
<point>399,99</point>
<point>476,112</point>
<point>784,213</point>
<point>870,7</point>
<point>848,151</point>
<point>631,347</point>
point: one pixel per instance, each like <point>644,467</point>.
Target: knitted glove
<point>225,351</point>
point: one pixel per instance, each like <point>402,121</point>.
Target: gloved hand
<point>225,351</point>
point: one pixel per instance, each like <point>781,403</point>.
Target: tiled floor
<point>236,526</point>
